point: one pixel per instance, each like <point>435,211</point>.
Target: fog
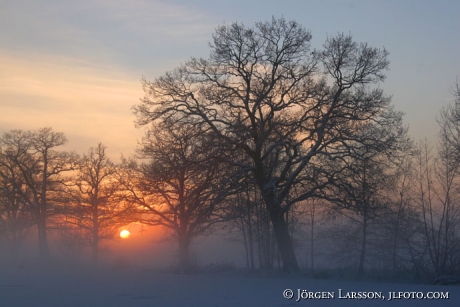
<point>150,247</point>
<point>140,271</point>
<point>269,174</point>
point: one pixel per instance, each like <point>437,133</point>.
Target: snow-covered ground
<point>144,287</point>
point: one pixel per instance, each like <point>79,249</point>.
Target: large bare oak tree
<point>266,93</point>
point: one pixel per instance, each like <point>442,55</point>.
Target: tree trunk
<point>42,238</point>
<point>245,241</point>
<point>14,243</point>
<point>312,238</point>
<point>259,235</point>
<point>41,223</point>
<point>363,245</point>
<point>250,243</point>
<point>395,239</point>
<point>281,230</point>
<point>95,245</point>
<point>184,256</point>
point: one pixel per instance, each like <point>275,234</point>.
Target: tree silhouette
<point>272,98</point>
<point>96,205</point>
<point>41,168</point>
<point>181,185</point>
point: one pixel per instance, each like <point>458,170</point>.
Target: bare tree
<point>438,180</point>
<point>97,205</point>
<point>368,172</point>
<point>436,191</point>
<point>40,166</point>
<point>360,199</point>
<point>262,92</point>
<point>315,214</point>
<point>181,185</point>
<point>449,122</point>
<point>242,213</point>
<point>15,219</point>
<point>401,218</point>
<point>436,195</point>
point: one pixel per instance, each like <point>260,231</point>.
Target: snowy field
<point>85,287</point>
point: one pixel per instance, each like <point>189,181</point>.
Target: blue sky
<point>77,65</point>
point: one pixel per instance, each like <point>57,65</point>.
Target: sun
<point>124,234</point>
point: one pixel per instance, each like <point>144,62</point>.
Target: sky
<point>76,65</point>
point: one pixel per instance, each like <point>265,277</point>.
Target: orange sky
<point>88,104</point>
<point>76,65</point>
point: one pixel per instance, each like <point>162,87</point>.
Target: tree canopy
<point>274,99</point>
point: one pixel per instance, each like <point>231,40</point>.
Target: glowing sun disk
<point>124,234</point>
